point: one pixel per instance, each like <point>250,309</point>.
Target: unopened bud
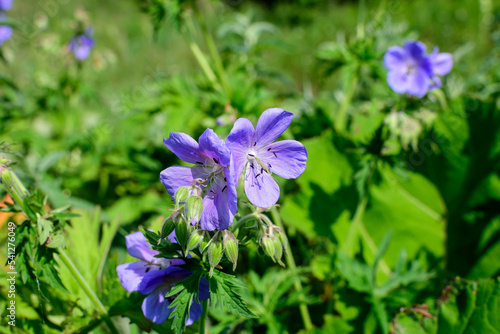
<point>167,228</point>
<point>282,236</point>
<point>215,251</point>
<point>195,240</point>
<point>182,232</point>
<point>7,178</point>
<point>268,246</point>
<point>194,208</point>
<point>181,195</point>
<point>204,243</point>
<point>278,250</point>
<point>231,247</point>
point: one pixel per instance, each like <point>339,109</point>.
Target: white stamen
<point>251,155</point>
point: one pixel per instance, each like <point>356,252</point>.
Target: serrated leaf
<point>186,291</point>
<point>44,228</point>
<point>224,293</point>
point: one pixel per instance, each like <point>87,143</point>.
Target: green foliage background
<point>90,135</point>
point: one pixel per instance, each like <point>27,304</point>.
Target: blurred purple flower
<point>5,5</point>
<point>442,63</point>
<point>212,174</point>
<point>412,71</point>
<point>154,277</point>
<point>256,150</point>
<point>81,45</point>
<point>5,30</point>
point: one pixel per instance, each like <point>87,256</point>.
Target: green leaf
<point>382,248</point>
<point>474,308</point>
<point>45,227</point>
<point>186,291</point>
<point>130,307</point>
<point>314,210</point>
<point>224,293</point>
<point>466,307</point>
<point>56,241</point>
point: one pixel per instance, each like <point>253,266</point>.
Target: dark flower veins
<point>211,173</point>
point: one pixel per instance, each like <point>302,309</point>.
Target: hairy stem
<point>243,220</point>
<point>86,288</point>
<point>290,261</point>
<point>204,314</point>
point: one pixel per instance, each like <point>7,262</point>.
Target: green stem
<point>212,48</point>
<point>352,235</point>
<point>17,192</point>
<point>204,314</point>
<point>199,56</point>
<point>202,60</point>
<point>360,29</point>
<point>86,288</point>
<point>357,227</point>
<point>341,119</point>
<point>369,241</point>
<point>290,261</point>
<point>243,220</point>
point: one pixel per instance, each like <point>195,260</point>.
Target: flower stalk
<point>204,314</point>
<point>290,261</point>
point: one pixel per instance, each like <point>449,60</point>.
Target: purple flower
<point>5,5</point>
<point>154,277</point>
<point>412,71</point>
<point>256,150</point>
<point>5,30</point>
<point>158,283</point>
<point>442,63</point>
<point>132,273</point>
<point>82,44</point>
<point>211,174</point>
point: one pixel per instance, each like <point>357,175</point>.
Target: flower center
<point>411,69</point>
<point>251,155</point>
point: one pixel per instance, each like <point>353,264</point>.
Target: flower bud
<point>181,195</point>
<point>182,232</point>
<point>268,246</point>
<point>167,228</point>
<point>410,132</point>
<point>195,240</point>
<point>231,247</point>
<point>281,236</point>
<point>278,250</point>
<point>392,121</point>
<point>7,178</point>
<point>215,251</point>
<point>194,208</point>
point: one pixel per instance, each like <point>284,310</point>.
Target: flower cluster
<point>218,165</point>
<point>82,44</point>
<point>205,196</point>
<point>413,71</point>
<point>5,30</point>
